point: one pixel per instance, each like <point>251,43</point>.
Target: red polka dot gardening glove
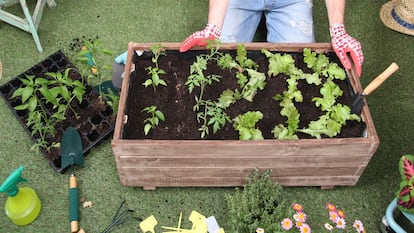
<point>343,44</point>
<point>201,38</point>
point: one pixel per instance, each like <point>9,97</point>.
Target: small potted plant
<point>403,201</point>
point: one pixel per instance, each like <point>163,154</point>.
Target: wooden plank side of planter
<point>223,163</point>
<point>228,165</point>
<point>325,182</point>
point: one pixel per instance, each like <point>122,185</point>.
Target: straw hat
<point>399,15</point>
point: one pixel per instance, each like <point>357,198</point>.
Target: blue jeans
<point>286,20</point>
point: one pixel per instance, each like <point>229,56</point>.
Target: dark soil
<point>176,102</point>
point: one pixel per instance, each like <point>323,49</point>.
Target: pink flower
<point>286,224</point>
<point>333,216</point>
<point>305,228</point>
<point>340,213</point>
<point>300,217</point>
<point>297,207</point>
<point>359,226</point>
<point>340,223</point>
<point>299,224</point>
<point>331,207</point>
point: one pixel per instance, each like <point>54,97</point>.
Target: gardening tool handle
<point>380,78</point>
<point>73,204</point>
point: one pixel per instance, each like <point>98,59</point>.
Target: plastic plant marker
<point>212,225</point>
<point>196,218</point>
<point>148,224</point>
<point>178,228</point>
<point>199,224</point>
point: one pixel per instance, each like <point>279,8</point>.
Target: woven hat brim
<point>389,21</point>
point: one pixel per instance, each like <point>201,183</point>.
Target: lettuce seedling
<point>246,125</point>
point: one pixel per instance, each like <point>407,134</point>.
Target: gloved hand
<point>118,70</point>
<point>342,44</point>
<point>121,59</point>
<point>200,38</point>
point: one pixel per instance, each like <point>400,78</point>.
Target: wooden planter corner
<point>222,163</point>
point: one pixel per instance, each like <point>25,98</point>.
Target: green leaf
<point>155,121</point>
<point>257,134</point>
<point>147,82</point>
<point>160,115</point>
<point>313,79</point>
<point>257,81</point>
<point>244,134</point>
<point>22,106</point>
<point>32,104</point>
<point>25,93</point>
<point>226,99</point>
<point>79,92</point>
<point>162,82</point>
<point>246,123</point>
<point>147,128</point>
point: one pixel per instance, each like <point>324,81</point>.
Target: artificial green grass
<point>117,23</point>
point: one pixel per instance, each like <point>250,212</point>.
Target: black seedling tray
<point>93,126</point>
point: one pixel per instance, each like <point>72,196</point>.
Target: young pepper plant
<point>59,90</point>
<point>91,58</point>
<point>155,117</point>
<point>155,72</point>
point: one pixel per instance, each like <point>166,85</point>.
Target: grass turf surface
<point>117,23</point>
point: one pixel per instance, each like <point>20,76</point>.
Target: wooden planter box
<point>219,163</point>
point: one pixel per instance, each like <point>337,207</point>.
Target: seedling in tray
<point>57,90</point>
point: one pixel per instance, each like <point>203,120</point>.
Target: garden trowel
<point>358,98</point>
<point>71,154</point>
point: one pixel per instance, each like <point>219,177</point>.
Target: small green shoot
<point>155,117</point>
<point>155,72</point>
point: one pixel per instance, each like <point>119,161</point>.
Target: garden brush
<point>71,154</point>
